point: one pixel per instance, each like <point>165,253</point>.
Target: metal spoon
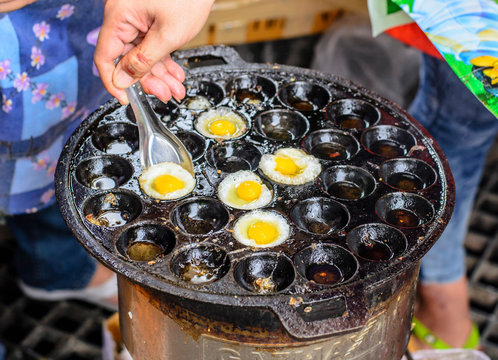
<point>157,143</point>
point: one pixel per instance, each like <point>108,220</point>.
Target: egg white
<point>206,118</point>
<point>148,176</point>
<point>197,103</point>
<point>227,191</point>
<point>309,165</point>
<point>242,225</point>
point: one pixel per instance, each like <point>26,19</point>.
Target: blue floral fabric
<point>48,84</point>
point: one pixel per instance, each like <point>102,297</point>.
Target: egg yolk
<point>286,166</point>
<point>262,233</point>
<point>165,184</point>
<point>222,128</point>
<point>249,190</point>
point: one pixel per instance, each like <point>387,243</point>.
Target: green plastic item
<point>465,32</point>
<point>423,333</point>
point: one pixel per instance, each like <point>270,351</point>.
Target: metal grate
<point>32,329</point>
<point>482,257</point>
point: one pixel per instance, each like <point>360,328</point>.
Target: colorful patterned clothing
<point>48,84</point>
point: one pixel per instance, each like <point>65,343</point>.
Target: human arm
<point>11,5</point>
<point>147,31</point>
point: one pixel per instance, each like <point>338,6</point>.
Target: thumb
<point>140,59</point>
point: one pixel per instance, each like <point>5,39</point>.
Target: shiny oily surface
<point>206,239</point>
<point>324,274</point>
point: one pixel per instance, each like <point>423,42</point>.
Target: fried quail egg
<point>221,123</point>
<point>244,190</point>
<point>197,103</point>
<point>290,166</point>
<point>260,228</point>
<point>166,181</point>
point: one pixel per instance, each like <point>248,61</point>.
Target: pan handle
<point>207,56</point>
<point>344,312</point>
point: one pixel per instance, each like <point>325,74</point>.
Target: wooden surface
<point>243,21</point>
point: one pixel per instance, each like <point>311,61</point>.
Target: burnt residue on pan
<point>383,197</point>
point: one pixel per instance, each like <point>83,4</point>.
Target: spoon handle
<point>146,123</point>
<point>157,143</point>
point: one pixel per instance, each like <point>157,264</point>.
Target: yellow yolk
<point>262,233</point>
<point>249,190</point>
<point>286,166</point>
<point>222,128</point>
<point>165,184</point>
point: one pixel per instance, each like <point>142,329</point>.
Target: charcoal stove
<point>398,199</point>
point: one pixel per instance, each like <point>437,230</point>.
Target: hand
<point>147,31</point>
<point>11,5</point>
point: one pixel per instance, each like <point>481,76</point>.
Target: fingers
<point>139,60</point>
<point>172,80</point>
<point>146,32</point>
<point>164,79</point>
<point>154,85</point>
<point>174,69</point>
<point>109,48</point>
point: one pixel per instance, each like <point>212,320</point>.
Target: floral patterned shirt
<point>48,84</point>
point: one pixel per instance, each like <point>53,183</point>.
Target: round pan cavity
<point>146,242</point>
<point>201,264</point>
<point>331,145</point>
<point>281,125</point>
<point>405,210</point>
<point>104,172</point>
<point>304,96</point>
<point>112,209</point>
<point>165,110</point>
<point>320,216</point>
<point>376,242</point>
<point>353,114</point>
<point>195,144</point>
<point>116,138</point>
<point>233,156</point>
<point>198,216</point>
<point>407,174</point>
<point>326,264</point>
<point>130,114</point>
<point>347,182</point>
<point>264,273</point>
<point>247,89</point>
<point>387,141</point>
<point>198,92</point>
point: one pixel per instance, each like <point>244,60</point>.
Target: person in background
<point>48,84</point>
<point>464,129</point>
